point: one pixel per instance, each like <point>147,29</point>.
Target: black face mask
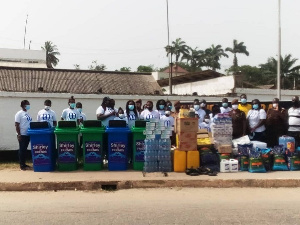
<point>150,108</point>
<point>295,103</point>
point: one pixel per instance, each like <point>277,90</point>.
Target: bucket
<point>224,166</point>
<point>233,165</point>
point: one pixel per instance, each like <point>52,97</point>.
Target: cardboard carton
<point>186,125</point>
<point>225,149</point>
<point>187,146</point>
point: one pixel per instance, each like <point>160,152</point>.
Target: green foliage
<point>212,56</point>
<point>148,68</point>
<point>125,69</point>
<point>237,48</point>
<point>51,53</point>
<point>95,66</point>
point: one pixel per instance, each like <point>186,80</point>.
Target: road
<point>153,206</point>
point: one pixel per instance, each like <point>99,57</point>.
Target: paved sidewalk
<point>15,180</point>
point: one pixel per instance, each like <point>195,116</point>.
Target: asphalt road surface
<point>153,206</point>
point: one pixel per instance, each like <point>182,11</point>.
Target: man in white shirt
<point>199,112</point>
<point>224,108</point>
<point>47,114</point>
<point>294,120</point>
<point>149,113</point>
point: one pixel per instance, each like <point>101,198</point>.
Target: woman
<point>276,123</point>
<point>225,108</point>
<point>160,107</point>
<point>47,114</point>
<point>256,119</point>
<point>131,113</point>
<point>71,114</point>
<point>238,120</point>
<point>105,112</point>
<point>22,123</point>
<point>149,113</point>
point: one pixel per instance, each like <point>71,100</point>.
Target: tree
<point>212,56</point>
<point>125,69</point>
<point>76,66</point>
<point>51,53</point>
<point>142,69</point>
<point>288,70</point>
<point>95,66</point>
<point>237,48</point>
<point>194,59</point>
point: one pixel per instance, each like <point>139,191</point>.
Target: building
<point>22,58</point>
<point>176,71</point>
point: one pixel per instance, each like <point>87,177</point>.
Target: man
<point>175,114</point>
<point>294,120</point>
<point>225,108</point>
<point>203,106</point>
<point>47,114</point>
<point>138,105</point>
<point>244,106</point>
<point>198,111</point>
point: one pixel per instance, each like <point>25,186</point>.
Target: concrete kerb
<point>135,184</point>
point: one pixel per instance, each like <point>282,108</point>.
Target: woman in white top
<point>131,113</point>
<point>47,114</point>
<point>256,118</point>
<point>105,112</point>
<point>70,114</point>
<point>160,107</point>
<point>294,120</point>
<point>22,123</point>
<point>149,113</point>
<point>225,108</point>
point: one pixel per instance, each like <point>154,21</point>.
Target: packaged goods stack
<point>204,138</point>
<point>157,147</point>
<point>186,154</point>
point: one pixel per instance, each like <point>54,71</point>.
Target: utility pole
<point>279,53</point>
<point>169,51</point>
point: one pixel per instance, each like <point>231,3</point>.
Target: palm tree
<point>287,68</point>
<point>212,56</point>
<point>237,48</point>
<point>51,53</point>
<point>194,58</point>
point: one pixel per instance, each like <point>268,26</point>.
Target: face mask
<point>196,107</point>
<point>122,116</point>
<point>202,105</point>
<point>275,105</point>
<point>255,106</point>
<point>170,107</point>
<point>79,110</point>
<point>47,107</point>
<point>296,103</point>
<point>225,105</point>
<point>72,105</point>
<point>27,107</point>
<point>206,120</point>
<point>243,101</point>
<point>167,113</point>
<point>150,108</point>
<point>161,107</point>
<point>131,107</point>
<point>234,106</point>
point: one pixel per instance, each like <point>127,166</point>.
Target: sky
<point>129,33</point>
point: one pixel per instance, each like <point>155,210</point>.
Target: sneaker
<point>23,168</point>
<point>27,167</point>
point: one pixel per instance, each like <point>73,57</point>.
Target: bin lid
<point>117,130</point>
<point>49,130</point>
<point>140,123</point>
<point>92,123</point>
<point>91,130</point>
<point>71,130</point>
<point>39,125</point>
<point>67,124</point>
<point>117,123</point>
<point>137,129</point>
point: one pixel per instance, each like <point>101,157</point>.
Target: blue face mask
<point>161,107</point>
<point>131,107</point>
<point>225,104</point>
<point>255,106</point>
<point>72,105</point>
<point>196,107</point>
<point>170,107</point>
<point>243,101</point>
<point>27,107</point>
<point>79,110</point>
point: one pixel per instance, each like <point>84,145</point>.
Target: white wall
<point>23,64</point>
<point>216,86</point>
<point>10,104</point>
<point>162,75</point>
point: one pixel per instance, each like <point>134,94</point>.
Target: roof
<point>177,69</point>
<point>22,54</point>
<point>190,77</point>
<point>16,79</point>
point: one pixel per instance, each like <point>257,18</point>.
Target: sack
<point>244,149</point>
<point>267,158</point>
<point>279,163</point>
<point>294,162</point>
<point>256,164</point>
<point>244,163</point>
<point>208,157</point>
<point>242,141</point>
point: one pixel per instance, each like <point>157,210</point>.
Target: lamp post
<point>279,53</point>
<point>169,50</point>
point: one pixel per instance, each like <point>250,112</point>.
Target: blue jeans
<point>23,145</point>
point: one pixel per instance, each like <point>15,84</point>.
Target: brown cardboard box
<point>202,131</point>
<point>225,149</point>
<point>200,136</point>
<point>186,125</point>
<point>187,146</point>
<point>187,136</point>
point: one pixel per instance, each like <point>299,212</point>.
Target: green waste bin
<point>138,144</point>
<point>67,145</point>
<point>92,142</point>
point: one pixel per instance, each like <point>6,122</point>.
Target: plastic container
<point>193,159</point>
<point>138,145</point>
<point>117,148</point>
<point>287,143</point>
<point>259,144</point>
<point>67,145</point>
<point>233,165</point>
<point>224,166</point>
<point>179,161</point>
<point>42,140</point>
<point>92,142</point>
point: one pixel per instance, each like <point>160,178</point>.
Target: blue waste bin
<point>117,148</point>
<point>42,140</point>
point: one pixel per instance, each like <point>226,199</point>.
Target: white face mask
<point>206,120</point>
<point>275,105</point>
<point>122,116</point>
<point>234,106</point>
<point>47,107</point>
<point>202,105</point>
<point>167,113</point>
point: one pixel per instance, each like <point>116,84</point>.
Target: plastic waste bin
<point>138,144</point>
<point>92,142</point>
<point>117,146</point>
<point>42,140</point>
<point>67,145</point>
